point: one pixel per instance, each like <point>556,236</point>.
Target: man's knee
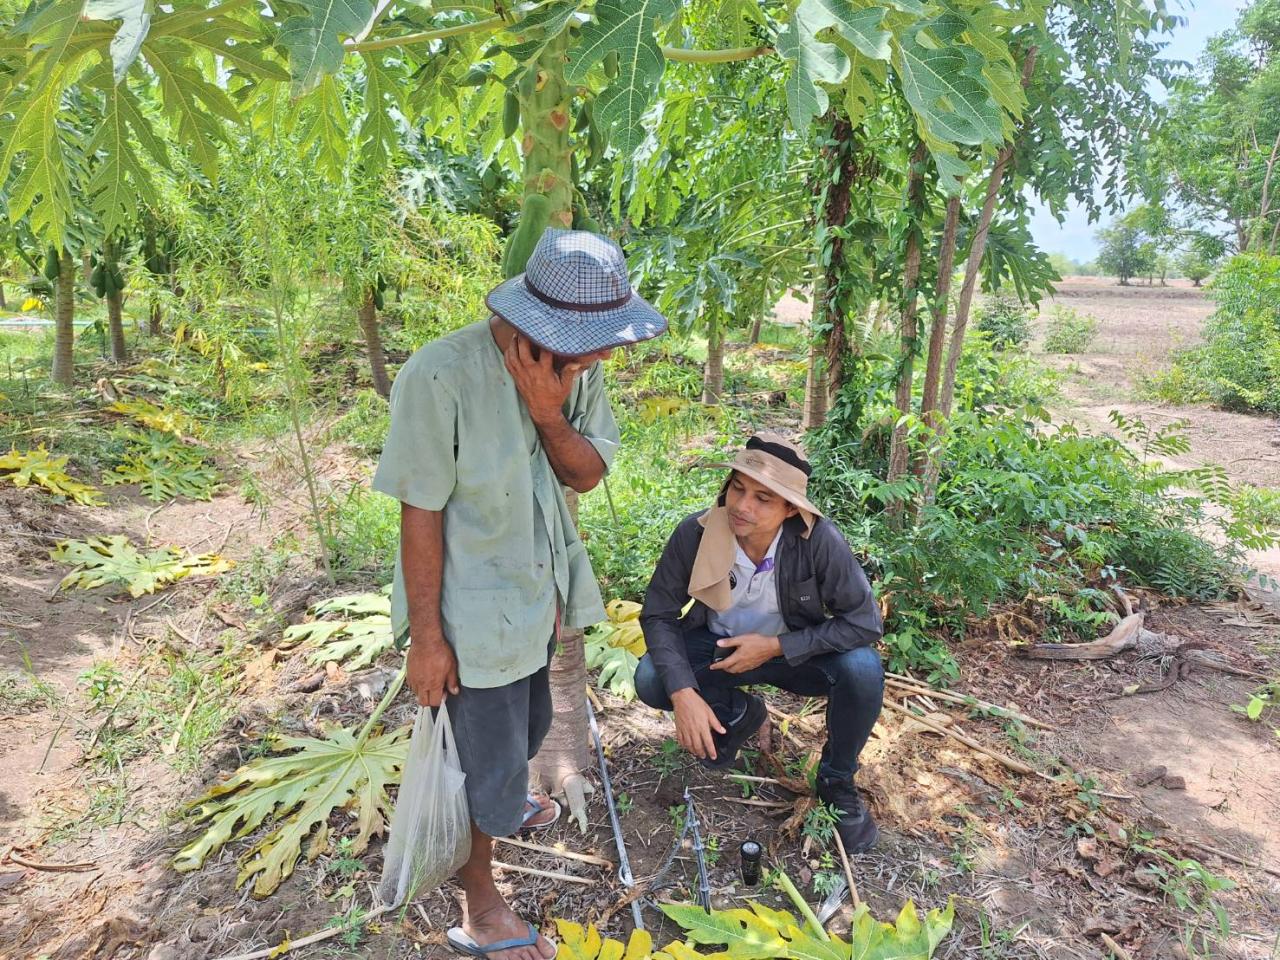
<point>858,672</point>
<point>649,687</point>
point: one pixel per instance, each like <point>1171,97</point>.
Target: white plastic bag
<point>431,827</point>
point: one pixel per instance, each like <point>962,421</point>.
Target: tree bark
<point>910,304</point>
<point>544,117</point>
<point>3,305</point>
<point>938,333</point>
<point>115,317</point>
<point>64,336</point>
<point>154,324</point>
<point>753,339</point>
<point>972,268</point>
<point>713,372</point>
<point>368,316</point>
<point>826,363</point>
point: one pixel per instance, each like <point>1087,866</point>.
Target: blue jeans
<point>852,682</point>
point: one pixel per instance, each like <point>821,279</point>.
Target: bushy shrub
<point>1238,367</point>
<point>1005,320</point>
<point>1069,331</point>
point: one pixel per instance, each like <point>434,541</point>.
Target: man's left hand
<point>544,388</point>
<point>749,651</point>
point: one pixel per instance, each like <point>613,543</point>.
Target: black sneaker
<point>857,830</point>
<point>737,733</point>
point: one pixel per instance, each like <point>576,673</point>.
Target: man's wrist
<point>427,639</point>
<point>683,694</point>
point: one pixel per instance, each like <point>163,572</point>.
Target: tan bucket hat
<point>782,466</point>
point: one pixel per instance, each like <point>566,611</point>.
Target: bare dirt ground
<point>1037,865</point>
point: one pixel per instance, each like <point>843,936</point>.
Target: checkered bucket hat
<point>574,297</point>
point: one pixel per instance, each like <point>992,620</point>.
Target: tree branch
<point>384,43</point>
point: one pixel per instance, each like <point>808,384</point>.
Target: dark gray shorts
<point>498,731</point>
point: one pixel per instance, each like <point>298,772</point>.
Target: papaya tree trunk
<point>713,372</point>
<point>545,109</point>
<point>938,332</point>
<point>964,303</point>
<point>65,311</point>
<point>3,305</point>
<point>815,378</point>
<point>115,298</point>
<point>368,315</point>
<point>910,303</point>
<point>154,325</point>
<point>753,339</point>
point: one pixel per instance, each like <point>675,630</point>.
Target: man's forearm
<point>422,563</point>
<point>573,457</point>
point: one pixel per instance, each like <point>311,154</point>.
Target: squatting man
<point>778,599</point>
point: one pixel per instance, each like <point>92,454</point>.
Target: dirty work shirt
<point>461,442</point>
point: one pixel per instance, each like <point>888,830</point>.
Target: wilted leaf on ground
<point>36,466</point>
<point>356,642</point>
<point>114,560</point>
<point>156,417</point>
<point>298,792</point>
<point>162,479</point>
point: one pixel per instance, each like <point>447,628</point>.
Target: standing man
<point>779,599</point>
<point>487,424</point>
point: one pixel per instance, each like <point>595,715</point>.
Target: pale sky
<point>1075,235</point>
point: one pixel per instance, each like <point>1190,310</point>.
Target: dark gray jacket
<point>823,597</point>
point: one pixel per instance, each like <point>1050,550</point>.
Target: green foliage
<point>1124,251</point>
<point>114,560</point>
<point>1238,367</point>
<point>1005,320</point>
<point>1069,331</point>
<point>362,532</point>
<point>165,467</point>
<point>356,640</point>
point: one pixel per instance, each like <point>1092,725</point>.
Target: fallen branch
<point>287,944</point>
<point>1017,766</point>
<point>916,687</point>
<point>1124,637</point>
<point>749,802</point>
<point>549,874</point>
<point>1119,952</point>
<point>50,867</point>
<point>848,871</point>
<point>170,748</point>
<point>556,852</point>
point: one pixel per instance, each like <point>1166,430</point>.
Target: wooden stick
<point>1232,858</point>
<point>915,686</point>
<point>1016,765</point>
<point>549,874</point>
<point>50,867</point>
<point>286,945</point>
<point>556,852</point>
<point>1119,952</point>
<point>848,871</point>
<point>750,779</point>
<point>747,801</point>
<point>170,748</point>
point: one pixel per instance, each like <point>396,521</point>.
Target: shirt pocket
<point>808,603</point>
<point>484,627</point>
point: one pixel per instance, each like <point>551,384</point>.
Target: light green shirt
<point>461,442</point>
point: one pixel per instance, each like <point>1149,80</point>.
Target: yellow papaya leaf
<point>579,943</point>
<point>620,611</point>
<point>156,417</point>
<point>32,303</point>
<point>36,466</point>
<point>651,408</point>
<point>283,947</point>
<point>114,560</point>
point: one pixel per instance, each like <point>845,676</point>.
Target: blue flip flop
<point>463,942</point>
<point>532,809</point>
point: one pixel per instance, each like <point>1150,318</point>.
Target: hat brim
<point>793,498</point>
<point>574,333</point>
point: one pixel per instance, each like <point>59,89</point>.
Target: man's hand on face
<point>544,388</point>
<point>749,651</point>
<point>695,721</point>
<point>432,670</point>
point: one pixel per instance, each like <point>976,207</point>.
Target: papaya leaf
<point>379,138</point>
<point>36,466</point>
<point>617,667</point>
<point>114,560</point>
<point>355,642</point>
<point>627,28</point>
<point>579,943</point>
<point>817,62</point>
<point>545,22</point>
<point>314,38</point>
<point>156,417</point>
<point>298,792</point>
<point>946,88</point>
<point>163,479</point>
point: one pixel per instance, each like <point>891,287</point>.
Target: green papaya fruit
<point>108,284</point>
<point>489,179</point>
<point>380,282</point>
<point>611,64</point>
<point>117,278</point>
<point>52,267</point>
<point>379,301</point>
<point>534,218</point>
<point>506,253</point>
<point>589,224</point>
<point>95,278</point>
<point>573,168</point>
<point>510,114</point>
<point>474,77</point>
<point>584,117</point>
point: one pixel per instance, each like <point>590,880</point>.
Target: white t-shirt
<point>753,595</point>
